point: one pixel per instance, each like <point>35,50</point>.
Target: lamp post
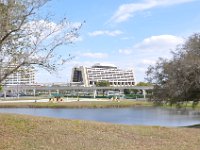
<point>17,85</point>
<point>0,70</point>
<point>1,65</point>
<point>1,60</point>
<point>0,74</point>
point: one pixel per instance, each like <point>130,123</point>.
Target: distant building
<point>88,76</point>
<point>23,76</point>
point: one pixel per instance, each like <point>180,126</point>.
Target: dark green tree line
<point>178,79</point>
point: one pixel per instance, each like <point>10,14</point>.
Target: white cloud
<point>147,51</point>
<point>127,11</point>
<point>38,30</point>
<point>42,30</point>
<point>148,62</point>
<point>159,43</point>
<point>154,44</point>
<point>63,74</point>
<point>106,32</point>
<point>77,39</point>
<point>89,63</point>
<point>75,24</point>
<point>95,55</point>
<point>127,38</point>
<point>125,51</point>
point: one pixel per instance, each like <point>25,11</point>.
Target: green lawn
<point>21,132</point>
<point>77,104</point>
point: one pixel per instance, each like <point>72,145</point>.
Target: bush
<point>133,96</point>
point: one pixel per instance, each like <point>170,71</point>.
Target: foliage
<point>135,91</point>
<point>134,96</point>
<point>28,39</point>
<point>127,91</point>
<point>143,84</point>
<point>102,83</point>
<point>178,79</point>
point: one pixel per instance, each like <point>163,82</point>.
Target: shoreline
<point>85,103</point>
<point>75,104</point>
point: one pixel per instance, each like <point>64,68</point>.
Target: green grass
<point>77,104</point>
<point>184,105</point>
<point>23,98</point>
<point>21,132</point>
<point>194,126</point>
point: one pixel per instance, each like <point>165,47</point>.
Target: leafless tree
<point>27,39</point>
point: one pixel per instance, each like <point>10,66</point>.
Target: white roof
<point>104,64</point>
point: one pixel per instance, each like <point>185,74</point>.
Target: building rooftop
<point>103,65</point>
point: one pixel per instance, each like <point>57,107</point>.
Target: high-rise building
<point>23,76</point>
<point>102,72</point>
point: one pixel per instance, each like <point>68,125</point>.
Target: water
<point>130,116</point>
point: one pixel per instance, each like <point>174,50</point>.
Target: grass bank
<point>22,98</point>
<point>20,132</point>
<point>78,104</point>
<point>183,105</point>
<point>194,126</point>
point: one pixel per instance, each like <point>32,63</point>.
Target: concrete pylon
<point>57,91</point>
<point>144,93</point>
<point>4,92</point>
<point>34,91</point>
<point>95,93</point>
<point>49,92</point>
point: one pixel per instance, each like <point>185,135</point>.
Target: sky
<point>131,34</point>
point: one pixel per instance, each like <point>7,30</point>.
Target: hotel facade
<point>23,76</point>
<point>89,76</point>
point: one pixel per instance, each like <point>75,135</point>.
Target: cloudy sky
<point>128,33</point>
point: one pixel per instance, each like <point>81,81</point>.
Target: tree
<point>28,39</point>
<point>178,79</point>
<point>143,84</point>
<point>127,91</point>
<point>103,84</point>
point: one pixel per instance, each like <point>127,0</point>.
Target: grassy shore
<point>23,98</point>
<point>20,132</point>
<point>188,105</point>
<point>77,104</point>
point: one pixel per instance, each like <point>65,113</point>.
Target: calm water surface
<point>130,116</point>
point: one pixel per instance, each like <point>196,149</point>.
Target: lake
<point>147,116</point>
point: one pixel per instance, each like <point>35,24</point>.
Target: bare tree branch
<point>26,40</point>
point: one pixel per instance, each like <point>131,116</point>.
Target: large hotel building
<point>23,76</point>
<point>102,72</point>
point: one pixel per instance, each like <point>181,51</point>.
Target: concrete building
<point>23,76</point>
<point>88,76</point>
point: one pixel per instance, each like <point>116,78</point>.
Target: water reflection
<point>131,116</point>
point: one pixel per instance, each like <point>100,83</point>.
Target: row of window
<point>113,80</point>
<point>115,83</point>
<point>111,77</point>
<point>110,72</point>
